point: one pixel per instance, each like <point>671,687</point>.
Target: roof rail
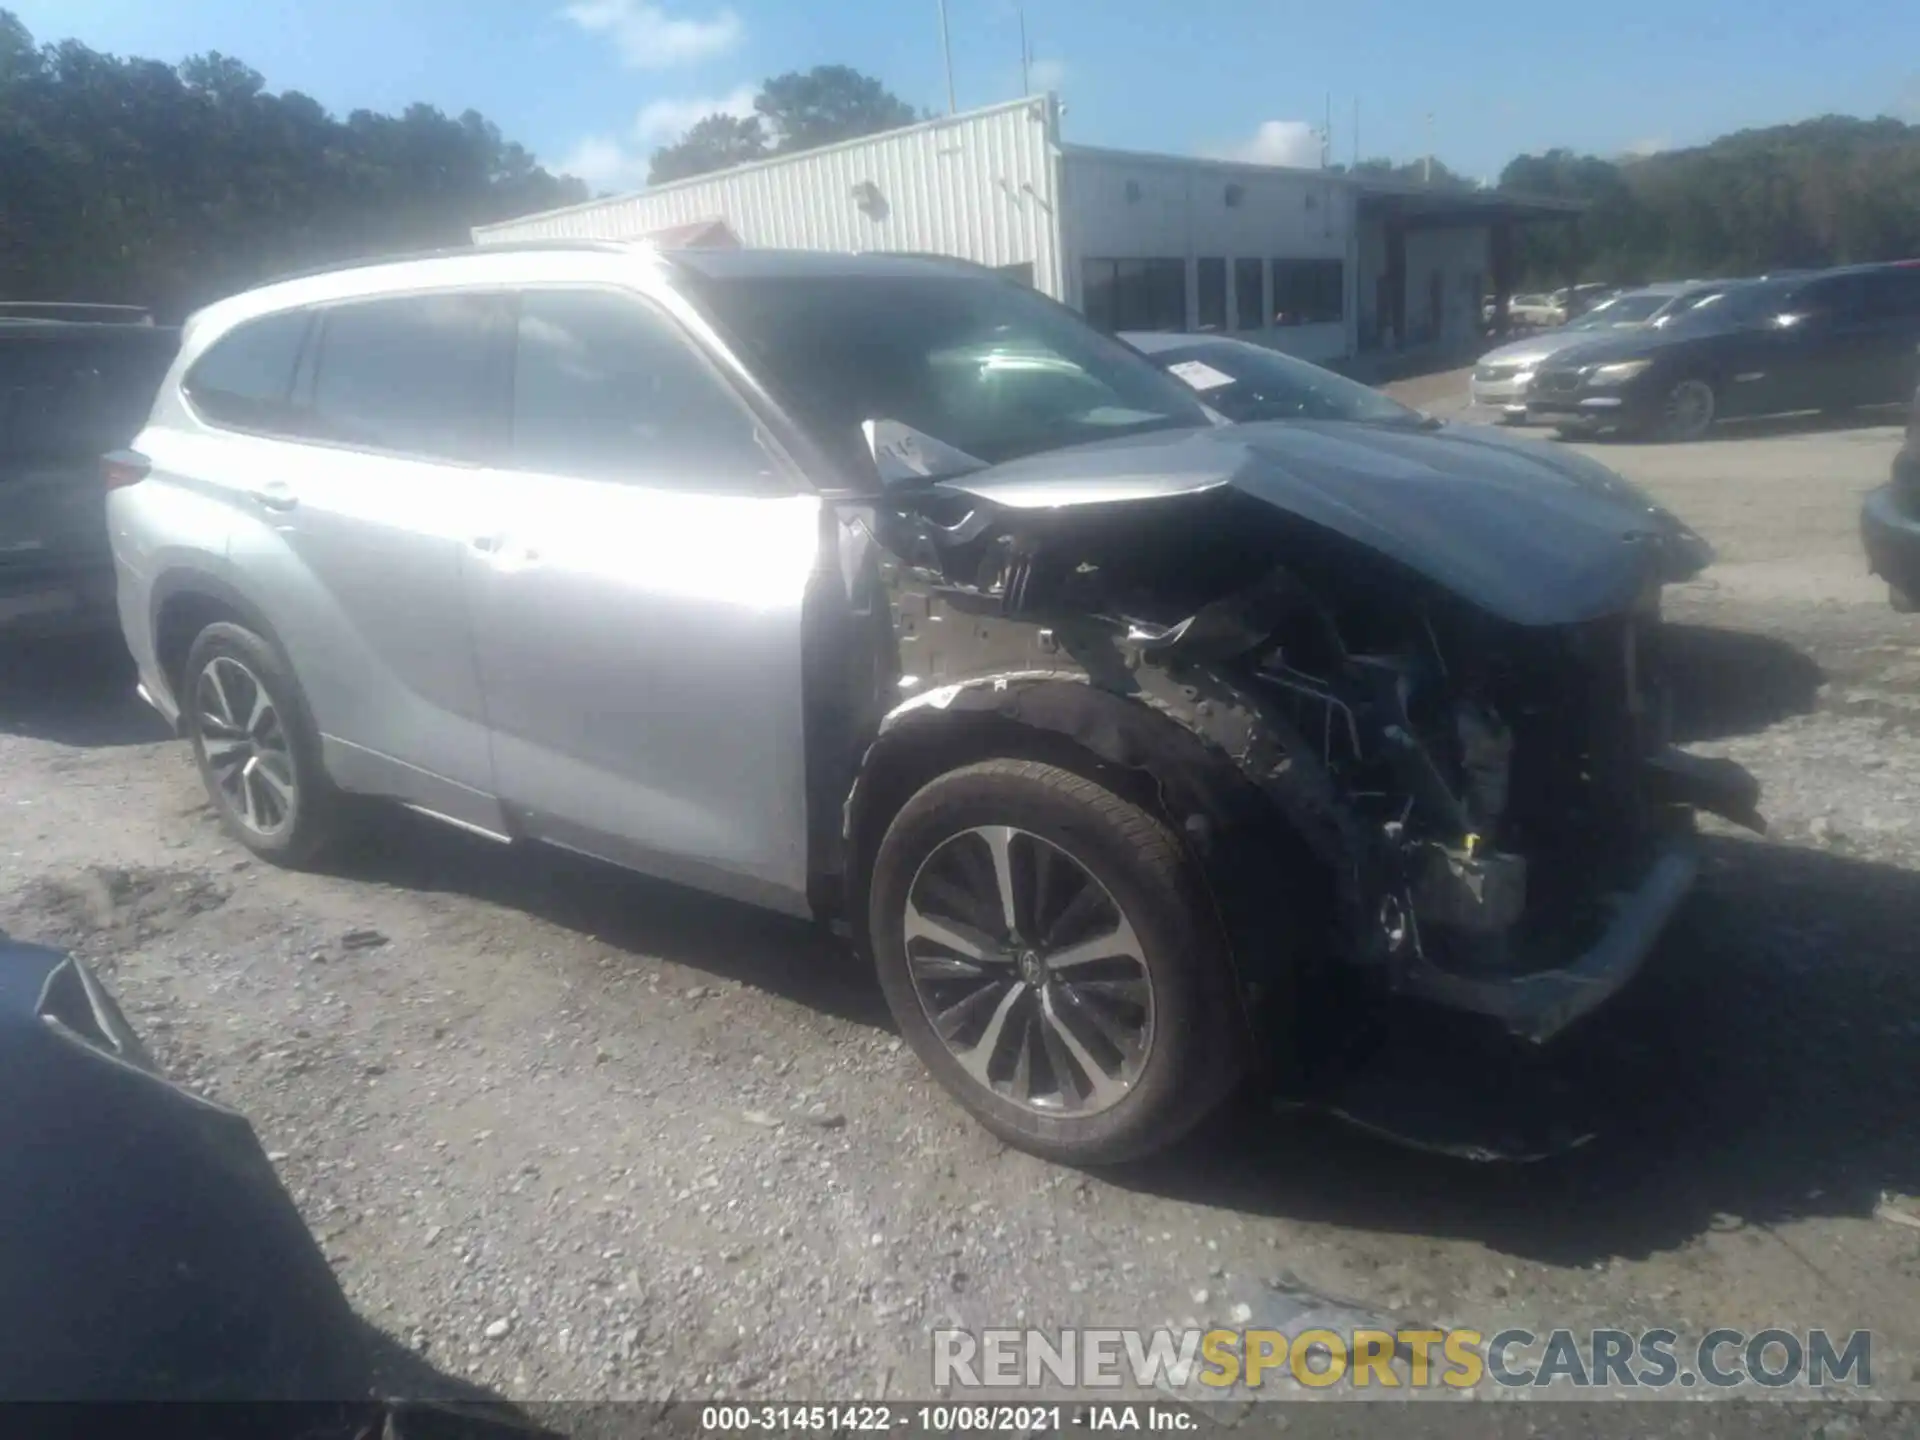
<point>449,252</point>
<point>75,310</point>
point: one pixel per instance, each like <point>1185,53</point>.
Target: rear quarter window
<point>245,379</point>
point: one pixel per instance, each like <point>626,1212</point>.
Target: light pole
<point>946,52</point>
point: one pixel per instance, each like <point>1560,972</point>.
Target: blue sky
<point>592,85</point>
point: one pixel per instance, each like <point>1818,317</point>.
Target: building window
<point>1211,280</point>
<point>1249,309</point>
<point>1135,294</point>
<point>1309,292</point>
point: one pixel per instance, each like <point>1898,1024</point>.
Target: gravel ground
<point>574,1135</point>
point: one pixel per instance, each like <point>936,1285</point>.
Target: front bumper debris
<point>1538,1005</point>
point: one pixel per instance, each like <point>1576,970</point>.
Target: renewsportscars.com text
<point>1606,1359</point>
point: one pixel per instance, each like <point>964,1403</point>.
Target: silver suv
<point>886,591</point>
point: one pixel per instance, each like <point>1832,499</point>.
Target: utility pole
<point>946,54</point>
<point>1026,85</point>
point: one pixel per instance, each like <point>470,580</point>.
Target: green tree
<point>804,110</point>
<point>715,143</point>
<point>130,180</point>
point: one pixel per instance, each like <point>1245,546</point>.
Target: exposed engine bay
<point>1498,815</point>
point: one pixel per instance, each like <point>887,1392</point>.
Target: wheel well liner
<point>184,603</point>
<point>1239,841</point>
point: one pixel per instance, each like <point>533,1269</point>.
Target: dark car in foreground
<point>75,382</point>
<point>1831,341</point>
<point>1890,521</point>
<point>887,591</point>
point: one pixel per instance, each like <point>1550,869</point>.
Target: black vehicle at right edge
<point>1890,521</point>
<point>1830,341</point>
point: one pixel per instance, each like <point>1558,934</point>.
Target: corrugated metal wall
<point>981,186</point>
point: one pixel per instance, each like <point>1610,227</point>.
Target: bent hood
<point>1533,533</point>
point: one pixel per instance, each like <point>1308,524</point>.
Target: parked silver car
<point>1501,377</point>
<point>887,591</point>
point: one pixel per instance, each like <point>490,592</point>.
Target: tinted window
<point>1210,272</point>
<point>1893,293</point>
<point>244,378</point>
<point>1249,305</point>
<point>605,389</point>
<point>990,368</point>
<point>1840,297</point>
<point>74,396</point>
<point>1310,292</point>
<point>1135,294</point>
<point>410,374</point>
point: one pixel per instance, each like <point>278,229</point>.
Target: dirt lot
<point>677,1148</point>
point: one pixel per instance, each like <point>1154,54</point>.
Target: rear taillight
<point>123,467</point>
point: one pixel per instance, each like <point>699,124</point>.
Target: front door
<point>637,610</point>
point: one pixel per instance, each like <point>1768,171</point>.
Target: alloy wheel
<point>248,752</point>
<point>1689,409</point>
<point>1029,971</point>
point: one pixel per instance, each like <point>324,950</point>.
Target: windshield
<point>1622,310</point>
<point>1249,382</point>
<point>984,365</point>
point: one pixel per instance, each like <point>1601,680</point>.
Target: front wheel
<point>1689,410</point>
<point>1052,958</point>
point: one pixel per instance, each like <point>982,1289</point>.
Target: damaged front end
<point>1491,808</point>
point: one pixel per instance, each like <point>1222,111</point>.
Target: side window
<point>1894,294</point>
<point>412,373</point>
<point>605,389</point>
<point>244,378</point>
<point>1839,299</point>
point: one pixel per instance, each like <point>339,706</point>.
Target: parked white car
<point>1501,377</point>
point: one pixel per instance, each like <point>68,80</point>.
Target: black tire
<point>1199,1042</point>
<point>311,818</point>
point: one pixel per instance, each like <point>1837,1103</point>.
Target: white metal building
<point>1314,262</point>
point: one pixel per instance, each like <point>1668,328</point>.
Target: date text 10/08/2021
<point>942,1419</point>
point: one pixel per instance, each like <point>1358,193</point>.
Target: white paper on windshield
<point>1200,375</point>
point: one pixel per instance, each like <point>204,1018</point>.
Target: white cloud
<point>1046,74</point>
<point>1278,142</point>
<point>664,121</point>
<point>650,39</point>
<point>604,163</point>
<point>619,162</point>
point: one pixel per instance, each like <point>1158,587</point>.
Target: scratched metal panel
<point>980,186</point>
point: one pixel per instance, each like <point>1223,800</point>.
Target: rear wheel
<point>1689,410</point>
<point>258,755</point>
<point>1052,959</point>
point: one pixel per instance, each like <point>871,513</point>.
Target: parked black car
<point>1829,341</point>
<point>1890,522</point>
<point>75,383</point>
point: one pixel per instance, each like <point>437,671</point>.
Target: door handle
<point>274,496</point>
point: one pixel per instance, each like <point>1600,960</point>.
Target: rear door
<point>352,538</point>
<point>1890,335</point>
<point>1801,356</point>
<point>638,610</point>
